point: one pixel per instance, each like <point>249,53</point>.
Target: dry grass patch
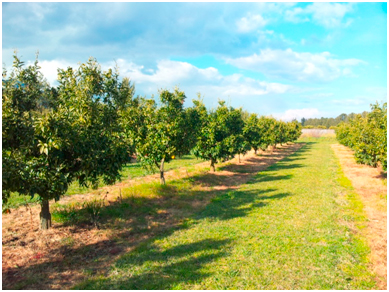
<point>370,184</point>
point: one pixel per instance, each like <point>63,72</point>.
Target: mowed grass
<point>129,171</point>
<point>296,225</point>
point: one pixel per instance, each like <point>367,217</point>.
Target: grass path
<point>289,227</point>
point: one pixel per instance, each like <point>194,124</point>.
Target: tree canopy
<point>80,137</point>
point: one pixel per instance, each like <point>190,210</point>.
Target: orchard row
<point>87,127</point>
<point>367,136</point>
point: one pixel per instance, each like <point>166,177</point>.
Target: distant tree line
<point>327,123</point>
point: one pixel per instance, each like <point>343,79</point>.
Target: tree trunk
<point>161,172</point>
<point>239,157</point>
<point>255,151</point>
<point>45,215</point>
<point>213,165</point>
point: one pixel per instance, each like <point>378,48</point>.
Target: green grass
<point>131,170</point>
<point>140,202</point>
<point>296,225</point>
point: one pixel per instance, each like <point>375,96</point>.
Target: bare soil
<point>370,184</point>
<point>62,256</point>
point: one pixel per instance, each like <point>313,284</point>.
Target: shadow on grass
<point>283,165</point>
<point>165,269</point>
<point>139,221</point>
<point>260,160</point>
<point>383,175</point>
<point>263,178</point>
<point>184,267</point>
<point>236,204</point>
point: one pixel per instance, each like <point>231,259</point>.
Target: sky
<point>288,60</point>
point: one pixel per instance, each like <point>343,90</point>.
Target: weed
<point>93,209</point>
<point>68,214</point>
<point>67,241</point>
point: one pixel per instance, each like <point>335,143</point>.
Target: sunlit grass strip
<point>285,229</point>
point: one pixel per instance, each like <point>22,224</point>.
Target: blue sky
<point>288,60</point>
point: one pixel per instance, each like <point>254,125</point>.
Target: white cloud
<point>49,69</point>
<point>329,15</point>
<point>169,74</point>
<point>369,95</point>
<point>298,114</point>
<point>250,23</point>
<point>296,66</point>
<point>40,10</point>
<point>352,101</point>
<point>295,15</point>
<point>192,79</point>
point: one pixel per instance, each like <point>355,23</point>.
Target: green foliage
<point>267,134</point>
<point>238,142</point>
<point>193,121</point>
<point>367,136</point>
<point>21,91</point>
<point>261,132</point>
<point>279,132</point>
<point>160,130</point>
<point>80,137</point>
<point>221,136</point>
<point>293,131</point>
<point>252,131</point>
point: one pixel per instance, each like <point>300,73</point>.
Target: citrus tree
<point>372,147</point>
<point>217,139</point>
<point>266,132</point>
<point>160,130</point>
<point>252,132</point>
<point>366,135</point>
<point>293,131</point>
<point>239,142</point>
<point>80,137</point>
<point>193,122</point>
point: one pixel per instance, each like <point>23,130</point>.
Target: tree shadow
<point>211,179</point>
<point>266,177</point>
<point>138,220</point>
<point>235,204</point>
<point>383,175</point>
<point>283,165</point>
<point>261,161</point>
<point>164,269</point>
<point>185,267</point>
